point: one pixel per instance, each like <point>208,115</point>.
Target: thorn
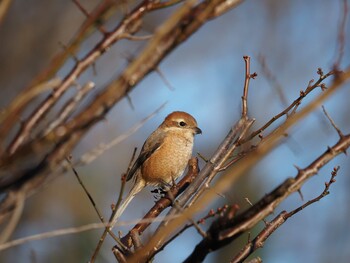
<point>297,167</point>
<point>202,157</point>
<point>330,150</point>
<point>266,223</point>
<point>130,101</point>
<point>248,201</point>
<point>94,70</point>
<point>301,195</point>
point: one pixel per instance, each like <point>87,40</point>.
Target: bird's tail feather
<point>137,187</point>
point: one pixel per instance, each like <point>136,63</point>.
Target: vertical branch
<point>248,76</point>
<point>341,35</point>
<point>246,85</point>
<point>4,6</point>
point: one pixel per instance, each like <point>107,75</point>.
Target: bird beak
<point>197,131</point>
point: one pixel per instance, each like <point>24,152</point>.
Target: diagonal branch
<point>221,234</point>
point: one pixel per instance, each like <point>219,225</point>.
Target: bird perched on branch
<point>163,157</point>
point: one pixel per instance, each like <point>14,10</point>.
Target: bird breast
<point>169,161</point>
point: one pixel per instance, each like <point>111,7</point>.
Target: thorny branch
<point>295,103</point>
<point>246,220</point>
<point>279,220</point>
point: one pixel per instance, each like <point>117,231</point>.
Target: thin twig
<point>159,5</point>
<point>246,85</point>
<point>15,217</point>
<point>340,133</point>
<point>342,34</point>
<point>273,80</point>
<point>136,38</point>
<point>318,198</point>
<point>22,100</point>
<point>162,76</point>
<point>114,210</point>
<point>210,214</point>
<point>87,14</point>
<point>73,230</point>
<point>193,223</point>
<point>86,191</point>
<point>66,49</point>
<point>50,234</point>
<point>70,106</point>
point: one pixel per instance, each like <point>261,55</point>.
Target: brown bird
<point>163,157</point>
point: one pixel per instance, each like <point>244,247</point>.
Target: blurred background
<point>207,74</point>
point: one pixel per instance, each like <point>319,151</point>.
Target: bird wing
<point>148,148</point>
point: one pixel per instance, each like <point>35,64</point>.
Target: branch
<point>245,221</point>
<point>272,226</point>
<point>296,102</point>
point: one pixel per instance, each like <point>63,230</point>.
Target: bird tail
<point>137,187</point>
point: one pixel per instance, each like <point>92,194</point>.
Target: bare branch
<point>272,226</point>
<point>248,76</point>
<point>292,106</point>
<point>70,106</point>
<point>4,6</point>
<point>14,220</point>
<point>340,133</point>
<point>341,34</point>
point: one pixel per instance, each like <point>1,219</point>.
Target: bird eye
<point>182,123</point>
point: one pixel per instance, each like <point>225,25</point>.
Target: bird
<point>163,157</point>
